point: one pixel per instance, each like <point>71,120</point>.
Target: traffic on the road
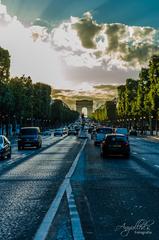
<point>82,181</point>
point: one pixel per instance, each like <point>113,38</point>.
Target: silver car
<point>5,147</point>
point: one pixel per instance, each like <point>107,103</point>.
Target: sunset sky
<point>79,45</point>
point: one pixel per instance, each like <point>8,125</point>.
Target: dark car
<point>5,147</point>
<point>72,131</point>
<point>115,144</point>
<point>133,132</point>
<point>58,132</point>
<point>29,137</point>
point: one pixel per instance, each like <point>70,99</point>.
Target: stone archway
<point>84,104</point>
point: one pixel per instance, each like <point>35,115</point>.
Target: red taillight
<point>125,144</point>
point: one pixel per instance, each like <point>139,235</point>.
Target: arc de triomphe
<point>84,103</point>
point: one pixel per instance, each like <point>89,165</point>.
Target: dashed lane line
<point>43,230</point>
<point>75,219</point>
<point>156,166</point>
<point>134,153</point>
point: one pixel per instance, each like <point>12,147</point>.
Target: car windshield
<point>29,131</point>
<point>57,130</point>
<point>104,130</point>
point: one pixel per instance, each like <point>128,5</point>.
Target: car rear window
<point>104,130</point>
<point>116,139</point>
<point>29,131</point>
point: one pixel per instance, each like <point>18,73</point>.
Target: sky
<point>79,45</point>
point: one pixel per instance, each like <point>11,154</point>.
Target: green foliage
<point>106,112</point>
<point>22,100</point>
<point>140,98</point>
<point>62,114</point>
<point>4,65</point>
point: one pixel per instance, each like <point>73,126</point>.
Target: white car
<point>5,147</point>
<point>123,131</point>
<point>83,133</point>
<point>101,133</point>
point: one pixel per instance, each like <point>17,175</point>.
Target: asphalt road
<point>28,188</point>
<point>115,198</point>
<point>118,198</point>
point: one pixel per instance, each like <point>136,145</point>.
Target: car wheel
<point>19,147</point>
<point>95,144</point>
<point>38,146</point>
<point>2,157</point>
<point>127,156</point>
<point>9,156</point>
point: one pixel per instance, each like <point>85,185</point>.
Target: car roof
<point>104,127</point>
<point>116,134</point>
<point>29,127</point>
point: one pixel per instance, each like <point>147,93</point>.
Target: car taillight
<point>105,143</point>
<point>125,144</point>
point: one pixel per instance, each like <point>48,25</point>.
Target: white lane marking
<point>134,153</point>
<point>75,219</point>
<point>144,159</point>
<point>10,163</point>
<point>71,171</point>
<point>156,166</point>
<point>43,230</point>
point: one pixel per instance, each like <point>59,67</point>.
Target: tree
<point>6,98</point>
<point>4,65</point>
<point>121,102</point>
<point>62,114</point>
<point>154,87</point>
<point>41,101</point>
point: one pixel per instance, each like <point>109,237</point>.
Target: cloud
<point>78,53</point>
<point>87,29</point>
<point>84,42</point>
<point>30,49</point>
<point>99,93</point>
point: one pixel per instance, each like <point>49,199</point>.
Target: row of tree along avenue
<point>137,104</point>
<point>25,103</point>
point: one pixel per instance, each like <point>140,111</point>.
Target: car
<point>72,131</point>
<point>5,147</point>
<point>115,144</point>
<point>133,132</point>
<point>100,134</point>
<point>65,130</point>
<point>122,131</point>
<point>29,137</point>
<point>83,133</point>
<point>58,132</point>
<point>47,133</point>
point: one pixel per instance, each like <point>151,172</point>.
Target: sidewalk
<point>150,137</point>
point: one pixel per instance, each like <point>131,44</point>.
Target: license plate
<point>116,146</point>
<point>28,145</point>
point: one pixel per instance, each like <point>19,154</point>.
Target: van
<point>101,133</point>
<point>123,131</point>
<point>29,137</point>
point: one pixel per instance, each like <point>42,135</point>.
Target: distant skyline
<point>78,45</point>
